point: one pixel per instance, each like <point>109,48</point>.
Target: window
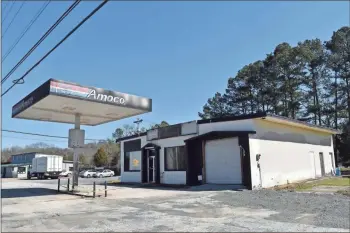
<point>70,169</point>
<point>132,161</point>
<point>175,159</point>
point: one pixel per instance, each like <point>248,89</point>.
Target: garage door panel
<point>223,162</point>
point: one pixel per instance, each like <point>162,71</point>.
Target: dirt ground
<point>32,206</point>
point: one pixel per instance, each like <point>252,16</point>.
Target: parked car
<point>87,174</point>
<point>104,173</point>
<point>65,173</point>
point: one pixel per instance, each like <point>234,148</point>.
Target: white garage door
<point>223,161</point>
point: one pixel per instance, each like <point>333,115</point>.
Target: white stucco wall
<point>284,161</point>
<point>130,177</point>
<point>166,177</point>
<point>241,125</point>
<point>171,177</point>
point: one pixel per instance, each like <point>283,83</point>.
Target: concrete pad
<point>217,187</point>
<point>126,193</point>
<point>159,210</point>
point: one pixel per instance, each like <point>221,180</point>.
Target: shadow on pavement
<point>27,192</point>
<point>198,188</point>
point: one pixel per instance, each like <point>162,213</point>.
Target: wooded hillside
<point>309,82</point>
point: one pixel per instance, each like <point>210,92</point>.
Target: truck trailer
<point>49,166</point>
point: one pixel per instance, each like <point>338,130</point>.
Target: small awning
<point>219,135</point>
<point>150,145</point>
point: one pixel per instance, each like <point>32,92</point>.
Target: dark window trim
<point>136,136</point>
<point>129,162</point>
<point>176,126</point>
<point>165,160</point>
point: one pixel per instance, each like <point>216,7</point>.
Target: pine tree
<point>100,158</point>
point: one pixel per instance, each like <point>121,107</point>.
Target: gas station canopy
<point>60,101</point>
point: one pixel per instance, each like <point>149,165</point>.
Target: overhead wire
<point>8,12</point>
<point>55,47</point>
<point>48,32</point>
<point>33,139</point>
<point>13,19</point>
<point>44,135</point>
<point>6,4</point>
<point>26,29</point>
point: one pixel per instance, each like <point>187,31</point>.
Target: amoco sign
<point>105,98</point>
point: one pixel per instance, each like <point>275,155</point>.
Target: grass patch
<point>113,182</point>
<point>334,182</point>
<point>345,169</point>
<point>307,185</point>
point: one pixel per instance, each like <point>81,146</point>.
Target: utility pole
<point>138,121</point>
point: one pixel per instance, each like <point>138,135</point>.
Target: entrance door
<point>323,172</point>
<point>150,164</point>
<point>151,167</point>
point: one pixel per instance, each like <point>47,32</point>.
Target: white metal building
<point>67,166</point>
<point>257,150</point>
<point>21,164</point>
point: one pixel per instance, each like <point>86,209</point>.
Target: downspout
<point>259,167</point>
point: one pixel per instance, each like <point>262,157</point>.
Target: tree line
<point>128,130</point>
<point>308,82</point>
<point>86,156</point>
<point>104,153</point>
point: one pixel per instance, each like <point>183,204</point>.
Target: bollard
<point>105,188</point>
<point>59,184</point>
<point>68,185</point>
<point>94,190</point>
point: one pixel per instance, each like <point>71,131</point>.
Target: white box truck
<point>49,166</point>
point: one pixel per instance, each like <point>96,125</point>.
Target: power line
<point>13,19</point>
<point>44,135</point>
<point>56,46</point>
<point>48,32</point>
<point>8,12</point>
<point>38,14</point>
<point>138,122</point>
<point>33,139</point>
<point>6,4</point>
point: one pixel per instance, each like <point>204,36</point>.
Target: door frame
<point>144,161</point>
<point>153,159</point>
<point>196,148</point>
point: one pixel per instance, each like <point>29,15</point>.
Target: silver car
<point>105,173</point>
<point>87,174</point>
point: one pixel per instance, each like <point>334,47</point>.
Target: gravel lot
<point>35,206</point>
